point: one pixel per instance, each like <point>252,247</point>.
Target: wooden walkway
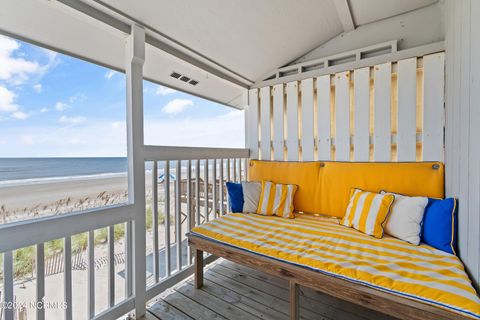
<point>235,292</point>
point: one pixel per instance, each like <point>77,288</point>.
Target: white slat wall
<point>382,127</point>
<point>308,137</point>
<point>342,116</point>
<point>407,110</point>
<point>361,137</point>
<point>252,123</point>
<point>265,128</point>
<point>433,107</point>
<point>278,119</point>
<point>324,143</point>
<point>296,120</point>
<point>292,122</point>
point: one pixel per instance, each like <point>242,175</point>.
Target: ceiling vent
<point>183,78</point>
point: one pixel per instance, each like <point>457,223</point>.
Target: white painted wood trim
<point>292,122</point>
<point>382,112</point>
<point>192,153</point>
<point>135,59</point>
<point>407,110</point>
<point>265,128</point>
<point>324,118</point>
<point>278,122</point>
<point>361,136</point>
<point>308,136</point>
<point>342,116</point>
<point>433,107</point>
<point>252,117</point>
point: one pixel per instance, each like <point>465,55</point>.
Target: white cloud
<point>109,74</point>
<point>177,105</point>
<point>78,97</point>
<point>20,115</point>
<point>62,106</point>
<point>163,91</point>
<point>14,70</point>
<point>43,110</point>
<point>38,88</point>
<point>72,120</point>
<point>7,98</point>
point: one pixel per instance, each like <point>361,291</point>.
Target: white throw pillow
<point>251,196</point>
<point>405,219</point>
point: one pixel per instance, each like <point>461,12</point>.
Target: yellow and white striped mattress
<point>321,244</point>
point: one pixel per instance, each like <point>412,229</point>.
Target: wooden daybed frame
<point>388,303</point>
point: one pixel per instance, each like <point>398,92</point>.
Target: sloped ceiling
<point>248,37</point>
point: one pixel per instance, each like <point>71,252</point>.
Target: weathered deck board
<point>232,291</point>
<point>310,296</point>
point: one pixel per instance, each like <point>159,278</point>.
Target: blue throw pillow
<point>235,195</point>
<point>440,224</point>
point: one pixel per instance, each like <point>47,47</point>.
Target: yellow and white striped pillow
<point>277,199</point>
<point>368,211</point>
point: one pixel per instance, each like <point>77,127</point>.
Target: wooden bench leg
<point>198,268</point>
<point>294,303</point>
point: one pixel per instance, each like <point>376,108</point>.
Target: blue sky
<point>56,105</point>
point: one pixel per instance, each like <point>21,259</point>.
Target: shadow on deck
<point>234,292</point>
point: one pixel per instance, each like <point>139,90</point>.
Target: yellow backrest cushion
<point>324,187</point>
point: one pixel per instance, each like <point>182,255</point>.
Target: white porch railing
<point>186,184</point>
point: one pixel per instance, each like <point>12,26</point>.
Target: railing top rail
<point>30,232</point>
<point>192,153</point>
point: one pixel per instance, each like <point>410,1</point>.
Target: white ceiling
<point>248,37</point>
<point>367,11</point>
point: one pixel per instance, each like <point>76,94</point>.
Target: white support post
<point>135,54</point>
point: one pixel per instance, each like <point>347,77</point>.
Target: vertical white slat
<point>252,123</point>
<point>214,189</point>
<point>67,279</point>
<point>234,169</point>
<point>205,190</point>
<point>128,258</point>
<point>308,137</point>
<point>361,140</point>
<point>228,167</point>
<point>222,195</point>
<point>240,172</point>
<point>265,127</point>
<point>278,118</point>
<point>433,106</point>
<point>342,116</point>
<point>166,221</point>
<point>156,261</point>
<point>197,192</point>
<point>292,121</point>
<point>382,137</point>
<point>91,274</point>
<point>178,213</point>
<point>189,206</point>
<point>246,162</point>
<point>407,110</point>
<point>111,265</point>
<point>40,273</point>
<point>324,129</point>
<point>8,284</point>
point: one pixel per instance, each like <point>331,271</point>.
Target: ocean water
<point>32,170</point>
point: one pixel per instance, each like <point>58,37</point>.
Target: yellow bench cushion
<point>324,187</point>
<point>419,272</point>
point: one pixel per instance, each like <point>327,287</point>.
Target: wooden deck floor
<point>234,292</point>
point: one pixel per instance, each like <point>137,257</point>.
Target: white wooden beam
<point>344,14</point>
<point>135,58</point>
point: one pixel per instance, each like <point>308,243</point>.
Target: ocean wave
<point>21,182</point>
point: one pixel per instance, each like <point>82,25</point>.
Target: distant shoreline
<point>47,180</point>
